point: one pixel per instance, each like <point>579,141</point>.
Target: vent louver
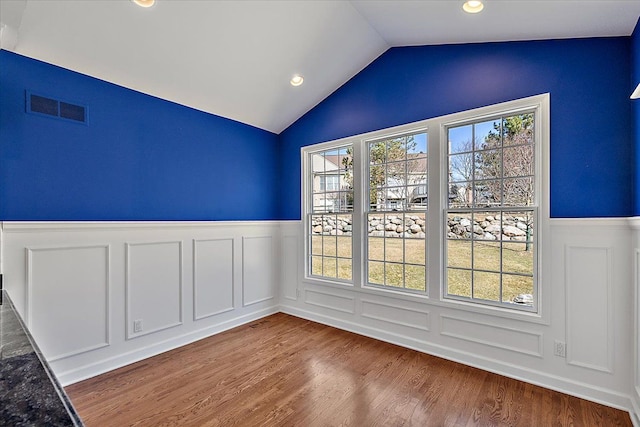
<point>38,104</point>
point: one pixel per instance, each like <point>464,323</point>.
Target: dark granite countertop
<point>30,394</point>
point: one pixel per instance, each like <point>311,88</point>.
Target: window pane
<point>518,192</point>
<point>517,226</point>
<point>415,251</point>
<point>344,247</point>
<point>517,286</point>
<point>418,146</point>
<point>376,248</point>
<point>344,269</point>
<point>316,245</point>
<point>460,194</point>
<point>329,267</point>
<point>329,246</point>
<point>518,161</point>
<point>518,258</point>
<point>488,225</point>
<point>460,139</point>
<point>416,171</point>
<point>396,149</point>
<point>487,193</point>
<point>393,249</point>
<point>377,152</point>
<point>487,135</point>
<point>316,265</point>
<point>459,282</point>
<point>459,253</point>
<point>486,256</point>
<point>461,167</point>
<point>459,225</point>
<point>415,277</point>
<point>486,285</point>
<point>376,273</point>
<point>487,164</point>
<point>394,275</point>
<point>518,129</point>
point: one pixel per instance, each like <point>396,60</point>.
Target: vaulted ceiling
<point>235,58</point>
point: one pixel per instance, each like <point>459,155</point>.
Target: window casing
<point>504,193</point>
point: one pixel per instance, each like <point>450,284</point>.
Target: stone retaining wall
<point>487,227</point>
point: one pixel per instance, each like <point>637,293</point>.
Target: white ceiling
<point>235,58</point>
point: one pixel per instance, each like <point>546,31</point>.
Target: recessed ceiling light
<point>472,6</point>
<point>144,3</point>
<point>296,80</point>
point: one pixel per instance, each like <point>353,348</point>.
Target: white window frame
<point>436,129</point>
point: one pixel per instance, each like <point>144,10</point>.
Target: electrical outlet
<point>137,325</point>
<point>560,349</point>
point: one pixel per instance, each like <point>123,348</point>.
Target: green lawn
<point>393,259</point>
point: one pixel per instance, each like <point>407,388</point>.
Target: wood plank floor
<point>286,371</point>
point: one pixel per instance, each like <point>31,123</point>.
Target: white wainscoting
<point>81,286</point>
<point>588,280</point>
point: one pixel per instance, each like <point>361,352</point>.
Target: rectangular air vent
<point>38,104</point>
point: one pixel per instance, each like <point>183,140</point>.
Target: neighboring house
<point>405,189</point>
<point>331,191</point>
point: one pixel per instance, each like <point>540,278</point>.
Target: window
<point>491,215</point>
<point>396,187</point>
<point>451,208</point>
<point>330,221</point>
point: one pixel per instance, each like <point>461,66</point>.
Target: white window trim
<point>437,156</point>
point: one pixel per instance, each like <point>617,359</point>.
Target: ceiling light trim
<point>144,3</point>
<point>296,80</point>
<point>473,6</point>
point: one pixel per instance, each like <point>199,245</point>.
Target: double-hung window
<point>492,209</point>
<point>395,219</point>
<point>330,217</point>
<point>448,208</point>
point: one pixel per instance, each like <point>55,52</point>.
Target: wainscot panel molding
<point>289,266</point>
<point>84,272</point>
<point>213,278</point>
<point>331,301</point>
<point>83,285</point>
<point>589,310</point>
<point>600,369</point>
<point>153,287</point>
<point>258,281</point>
<point>396,314</point>
<point>492,335</point>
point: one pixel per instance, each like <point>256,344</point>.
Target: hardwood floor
<point>286,371</point>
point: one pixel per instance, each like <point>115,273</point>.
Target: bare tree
<point>504,165</point>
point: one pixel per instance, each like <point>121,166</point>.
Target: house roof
<point>235,58</point>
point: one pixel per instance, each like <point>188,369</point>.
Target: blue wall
<point>592,166</point>
<point>635,57</point>
<point>139,158</point>
<point>142,158</point>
